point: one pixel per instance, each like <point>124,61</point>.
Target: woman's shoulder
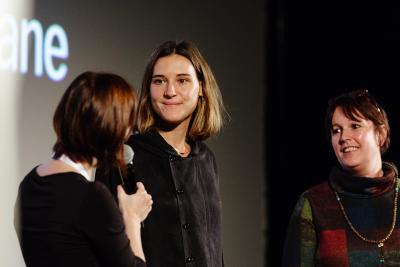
<point>201,147</point>
<point>321,188</point>
<point>320,198</point>
<point>315,200</point>
<point>75,183</point>
<point>63,179</point>
<point>80,187</point>
<point>149,142</point>
<point>316,192</point>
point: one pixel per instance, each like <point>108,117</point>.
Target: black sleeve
<point>101,221</point>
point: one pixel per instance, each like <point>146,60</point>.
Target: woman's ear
<point>381,133</point>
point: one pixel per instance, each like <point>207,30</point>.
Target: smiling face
<point>356,144</point>
<point>174,90</point>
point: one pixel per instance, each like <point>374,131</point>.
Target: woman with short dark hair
<point>66,219</point>
<point>351,219</point>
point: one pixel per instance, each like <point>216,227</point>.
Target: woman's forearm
<point>132,229</point>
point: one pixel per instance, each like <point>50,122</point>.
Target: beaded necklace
<point>379,242</point>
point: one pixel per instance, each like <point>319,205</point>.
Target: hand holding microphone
<point>142,201</point>
<point>136,206</point>
<point>134,209</point>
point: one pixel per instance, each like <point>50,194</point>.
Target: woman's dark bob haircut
<point>359,104</point>
<point>93,119</point>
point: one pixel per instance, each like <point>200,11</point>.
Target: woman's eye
<point>157,81</point>
<point>336,130</point>
<point>183,81</point>
<point>355,125</point>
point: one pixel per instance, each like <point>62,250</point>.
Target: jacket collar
<point>153,141</point>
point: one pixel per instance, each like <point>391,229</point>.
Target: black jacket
<point>184,226</point>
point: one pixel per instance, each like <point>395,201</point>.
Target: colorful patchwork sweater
<point>319,235</point>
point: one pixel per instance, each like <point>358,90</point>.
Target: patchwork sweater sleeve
<point>301,240</point>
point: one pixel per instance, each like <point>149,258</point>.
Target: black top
<point>184,226</point>
<point>67,221</point>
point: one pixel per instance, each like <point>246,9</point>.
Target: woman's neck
<point>176,138</point>
<point>55,166</point>
<point>371,170</point>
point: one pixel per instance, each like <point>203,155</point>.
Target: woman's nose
<point>344,135</point>
<point>170,90</point>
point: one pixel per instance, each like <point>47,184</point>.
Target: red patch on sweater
<point>333,248</point>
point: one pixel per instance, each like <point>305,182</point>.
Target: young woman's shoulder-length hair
<point>93,118</point>
<point>207,119</point>
<point>356,104</point>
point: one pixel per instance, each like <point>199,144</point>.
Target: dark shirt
<point>184,226</point>
<point>67,221</point>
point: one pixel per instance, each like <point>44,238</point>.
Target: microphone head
<point>128,154</point>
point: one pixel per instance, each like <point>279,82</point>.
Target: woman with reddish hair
<point>351,219</point>
<point>67,219</point>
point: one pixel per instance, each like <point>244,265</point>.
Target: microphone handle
<point>129,167</point>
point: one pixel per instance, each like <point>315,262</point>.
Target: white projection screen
<point>45,44</point>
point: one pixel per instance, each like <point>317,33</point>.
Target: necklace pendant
<point>382,256</point>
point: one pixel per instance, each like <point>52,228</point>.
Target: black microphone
<point>128,159</point>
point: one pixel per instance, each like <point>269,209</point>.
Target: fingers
<point>141,195</point>
<point>148,201</point>
<point>140,187</point>
<point>120,191</point>
<point>149,204</point>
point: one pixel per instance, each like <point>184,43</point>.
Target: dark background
<point>315,51</point>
